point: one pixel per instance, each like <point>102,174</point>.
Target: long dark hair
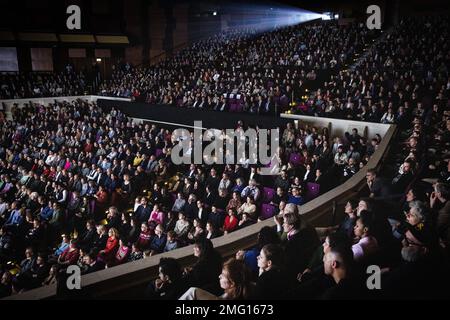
<point>205,247</point>
<point>267,235</point>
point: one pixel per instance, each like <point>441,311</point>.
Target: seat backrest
<point>295,158</point>
<point>267,211</point>
<point>158,152</point>
<point>268,194</point>
<point>312,190</point>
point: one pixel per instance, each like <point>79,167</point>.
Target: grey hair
<point>443,189</point>
<point>417,209</point>
<point>291,208</point>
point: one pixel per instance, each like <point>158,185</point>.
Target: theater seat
<point>158,152</point>
<point>268,194</point>
<point>312,190</point>
<point>295,159</point>
<point>267,211</point>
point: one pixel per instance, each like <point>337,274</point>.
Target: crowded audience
<point>36,85</point>
<point>244,70</point>
<point>85,186</point>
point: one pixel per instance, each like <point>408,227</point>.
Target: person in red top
<point>101,198</point>
<point>70,255</point>
<point>112,244</point>
<point>88,146</point>
<point>145,237</point>
<point>231,222</point>
<point>52,173</point>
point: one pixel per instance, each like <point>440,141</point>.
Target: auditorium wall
<point>338,126</point>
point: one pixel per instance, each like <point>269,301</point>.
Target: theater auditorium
<point>224,150</point>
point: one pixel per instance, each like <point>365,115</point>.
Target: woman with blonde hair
<point>112,244</point>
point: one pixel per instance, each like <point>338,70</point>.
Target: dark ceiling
<point>107,16</point>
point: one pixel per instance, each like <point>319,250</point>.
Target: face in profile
<point>262,260</point>
<point>225,282</point>
<point>196,251</point>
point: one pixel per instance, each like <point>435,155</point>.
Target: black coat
<point>271,285</point>
<point>299,250</point>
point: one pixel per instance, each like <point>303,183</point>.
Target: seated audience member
<point>217,218</point>
<point>249,208</point>
<point>170,284</point>
<point>135,230</point>
<point>158,241</point>
<point>205,271</point>
<point>40,272</point>
<point>301,241</point>
<point>271,283</point>
<point>88,238</point>
<point>145,237</point>
<point>366,244</point>
<point>211,231</point>
<point>403,179</point>
<point>338,263</point>
<point>172,242</point>
<point>295,197</point>
<point>170,221</point>
<point>156,217</point>
<point>419,275</point>
<point>122,253</point>
<point>376,186</point>
<point>440,211</point>
<point>179,203</point>
<point>197,231</point>
<point>266,235</point>
<point>313,281</point>
<point>245,221</point>
<point>63,245</point>
<point>231,222</point>
<point>92,264</point>
<point>235,280</point>
<point>101,239</point>
<point>70,255</point>
<point>112,244</point>
<point>51,278</point>
<point>347,225</point>
<point>182,227</point>
<point>136,252</point>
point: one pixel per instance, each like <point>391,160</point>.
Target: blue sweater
<point>15,218</point>
<point>158,243</point>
